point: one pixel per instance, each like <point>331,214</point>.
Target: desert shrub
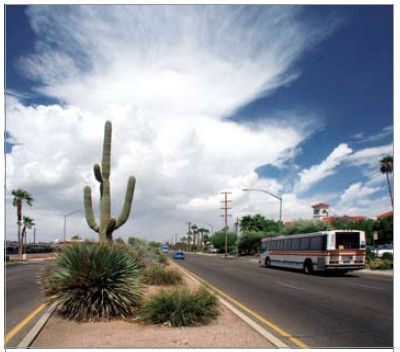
<point>145,253</point>
<point>94,282</point>
<point>156,274</point>
<point>380,264</point>
<point>180,307</point>
<point>162,259</point>
<point>387,256</point>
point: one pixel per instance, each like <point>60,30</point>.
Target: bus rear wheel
<point>308,267</point>
<point>268,262</point>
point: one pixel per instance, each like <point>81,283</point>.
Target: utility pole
<point>225,208</point>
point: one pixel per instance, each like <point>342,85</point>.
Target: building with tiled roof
<point>385,215</point>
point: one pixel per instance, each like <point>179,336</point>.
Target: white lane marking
<point>290,286</point>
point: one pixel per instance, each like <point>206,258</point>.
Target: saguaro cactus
<point>107,223</point>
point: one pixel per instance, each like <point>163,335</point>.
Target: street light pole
<point>65,221</point>
<point>273,195</point>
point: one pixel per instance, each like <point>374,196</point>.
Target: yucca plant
<point>180,307</point>
<point>94,282</point>
<point>156,274</point>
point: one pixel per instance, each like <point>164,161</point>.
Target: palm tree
<point>200,240</point>
<point>386,167</point>
<point>194,232</point>
<point>20,196</point>
<point>28,223</point>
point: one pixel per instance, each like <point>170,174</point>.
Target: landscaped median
<point>168,304</point>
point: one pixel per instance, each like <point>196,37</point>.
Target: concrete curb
<point>263,332</point>
<point>31,335</point>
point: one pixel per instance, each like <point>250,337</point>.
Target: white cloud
<point>362,138</point>
<point>357,200</point>
<point>167,77</point>
<point>316,173</point>
<point>370,157</point>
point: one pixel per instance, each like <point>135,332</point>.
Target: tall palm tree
<point>386,167</point>
<point>28,223</point>
<point>194,233</point>
<point>20,196</point>
<point>201,232</point>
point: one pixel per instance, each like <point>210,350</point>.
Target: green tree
<point>76,237</point>
<point>20,196</point>
<point>249,242</point>
<point>194,233</point>
<point>258,223</point>
<point>202,232</point>
<point>386,167</point>
<point>306,226</point>
<point>27,223</point>
<point>385,230</point>
<point>218,240</point>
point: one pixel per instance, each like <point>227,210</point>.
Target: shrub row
<point>103,281</point>
<point>380,263</point>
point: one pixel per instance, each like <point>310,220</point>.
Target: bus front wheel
<point>308,267</point>
<point>268,262</point>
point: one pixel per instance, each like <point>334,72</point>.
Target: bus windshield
<point>348,240</point>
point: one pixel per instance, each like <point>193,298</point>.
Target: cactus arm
<point>97,172</point>
<point>106,161</point>
<point>97,175</point>
<point>87,201</point>
<point>127,203</point>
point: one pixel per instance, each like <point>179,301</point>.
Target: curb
<point>266,334</point>
<point>31,335</point>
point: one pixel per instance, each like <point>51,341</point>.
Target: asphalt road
<point>22,296</point>
<point>355,310</point>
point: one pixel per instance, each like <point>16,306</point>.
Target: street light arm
<point>262,190</point>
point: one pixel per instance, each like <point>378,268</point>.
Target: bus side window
<point>296,244</point>
<point>316,243</point>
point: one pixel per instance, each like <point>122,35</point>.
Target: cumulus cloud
<point>356,200</point>
<point>370,157</point>
<point>168,77</point>
<point>316,173</point>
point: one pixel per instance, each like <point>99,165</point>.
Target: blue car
<point>179,255</point>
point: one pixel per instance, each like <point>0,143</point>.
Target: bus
<point>339,250</point>
<point>164,248</point>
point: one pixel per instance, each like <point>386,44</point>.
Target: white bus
<point>339,250</point>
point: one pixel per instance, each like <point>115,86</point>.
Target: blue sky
<point>297,100</point>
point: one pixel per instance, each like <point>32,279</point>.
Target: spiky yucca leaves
<point>156,274</point>
<point>94,282</point>
<point>180,307</point>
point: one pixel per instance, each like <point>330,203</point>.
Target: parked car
<point>179,255</point>
<point>383,248</point>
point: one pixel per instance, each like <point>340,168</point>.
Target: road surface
<point>321,311</point>
<point>23,295</point>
